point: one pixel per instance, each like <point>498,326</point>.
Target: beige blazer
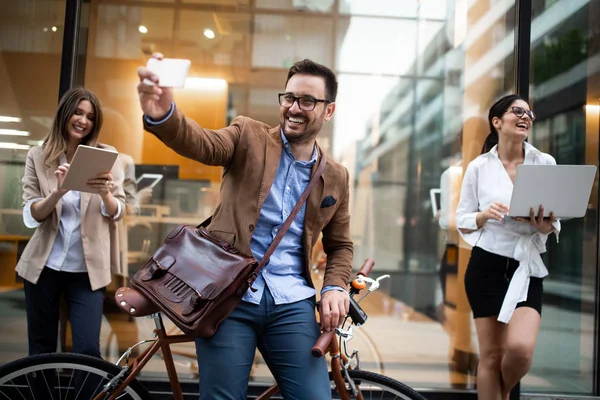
<point>100,248</point>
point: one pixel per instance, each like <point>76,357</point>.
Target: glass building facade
<point>416,80</point>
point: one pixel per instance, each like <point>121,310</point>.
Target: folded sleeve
<point>468,205</point>
<point>28,219</point>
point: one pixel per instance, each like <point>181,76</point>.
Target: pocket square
<point>328,202</point>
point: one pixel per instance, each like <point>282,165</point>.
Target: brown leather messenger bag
<point>197,280</point>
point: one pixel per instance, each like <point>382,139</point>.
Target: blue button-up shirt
<point>284,274</point>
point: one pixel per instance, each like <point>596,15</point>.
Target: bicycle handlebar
<point>366,268</point>
<point>325,338</point>
<point>321,345</point>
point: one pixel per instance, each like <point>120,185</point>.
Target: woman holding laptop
<point>504,276</point>
<point>70,253</point>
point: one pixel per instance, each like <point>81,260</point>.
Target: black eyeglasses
<point>520,111</point>
<point>306,103</point>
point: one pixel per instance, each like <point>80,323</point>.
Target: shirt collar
<point>286,148</point>
<point>529,150</point>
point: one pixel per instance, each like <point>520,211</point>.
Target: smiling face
<point>300,126</point>
<point>512,126</point>
<point>81,122</point>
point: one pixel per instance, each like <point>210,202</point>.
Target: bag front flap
<point>202,261</point>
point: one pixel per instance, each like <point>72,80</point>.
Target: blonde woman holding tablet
<point>70,253</point>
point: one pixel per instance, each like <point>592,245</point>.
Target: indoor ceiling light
<point>4,118</point>
<point>54,29</point>
<point>13,132</point>
<point>143,29</point>
<point>209,33</point>
<point>205,84</point>
<point>592,107</point>
<point>15,146</point>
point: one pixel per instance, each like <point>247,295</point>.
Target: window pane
<point>279,40</point>
<point>31,36</point>
<point>565,97</point>
<point>298,5</point>
<point>429,9</point>
<point>376,45</point>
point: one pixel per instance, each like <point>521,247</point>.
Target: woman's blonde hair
<point>57,140</point>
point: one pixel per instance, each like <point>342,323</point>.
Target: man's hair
<point>309,67</point>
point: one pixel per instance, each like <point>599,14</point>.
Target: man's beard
<point>307,135</point>
<point>300,138</point>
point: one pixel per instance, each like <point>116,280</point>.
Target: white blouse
<point>485,182</point>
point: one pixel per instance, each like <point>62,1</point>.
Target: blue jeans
<point>284,334</point>
<point>85,306</point>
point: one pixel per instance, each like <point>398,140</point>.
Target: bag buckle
<point>194,301</point>
<point>251,278</point>
<point>155,268</point>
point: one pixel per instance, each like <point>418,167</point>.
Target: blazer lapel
<point>52,183</point>
<point>272,158</point>
<point>313,207</point>
<point>84,201</point>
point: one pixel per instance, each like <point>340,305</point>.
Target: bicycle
<point>76,376</point>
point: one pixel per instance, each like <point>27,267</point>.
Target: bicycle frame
<point>327,343</point>
<point>163,341</point>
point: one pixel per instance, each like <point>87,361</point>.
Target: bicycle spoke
<point>57,377</point>
<point>63,377</point>
<point>16,386</point>
<point>47,386</point>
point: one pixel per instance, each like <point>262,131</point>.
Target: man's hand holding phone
<point>155,100</point>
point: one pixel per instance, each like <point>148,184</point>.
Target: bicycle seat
<point>134,303</point>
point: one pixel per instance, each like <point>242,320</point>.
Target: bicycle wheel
<point>375,386</point>
<point>61,376</point>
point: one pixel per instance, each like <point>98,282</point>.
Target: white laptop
<point>562,189</point>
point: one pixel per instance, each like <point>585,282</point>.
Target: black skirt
<point>486,282</point>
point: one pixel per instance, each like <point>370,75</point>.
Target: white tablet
<point>562,189</point>
<point>88,162</point>
<point>148,180</point>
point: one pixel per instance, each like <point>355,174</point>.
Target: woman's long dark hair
<point>497,110</point>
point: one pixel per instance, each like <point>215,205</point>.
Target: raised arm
<point>186,137</point>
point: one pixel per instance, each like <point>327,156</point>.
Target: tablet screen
<point>148,180</point>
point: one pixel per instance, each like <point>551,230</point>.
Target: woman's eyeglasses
<point>520,111</point>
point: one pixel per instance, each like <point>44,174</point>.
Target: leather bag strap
<point>292,216</point>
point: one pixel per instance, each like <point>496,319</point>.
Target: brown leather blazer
<point>249,152</point>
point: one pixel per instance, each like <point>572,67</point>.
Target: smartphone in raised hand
<point>171,72</point>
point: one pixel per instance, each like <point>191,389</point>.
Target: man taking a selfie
<point>265,170</point>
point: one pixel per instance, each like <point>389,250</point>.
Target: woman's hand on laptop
<point>543,225</point>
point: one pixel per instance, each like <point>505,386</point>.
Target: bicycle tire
<point>376,386</point>
<point>61,376</point>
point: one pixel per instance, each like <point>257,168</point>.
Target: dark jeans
<point>284,334</point>
<point>84,305</point>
